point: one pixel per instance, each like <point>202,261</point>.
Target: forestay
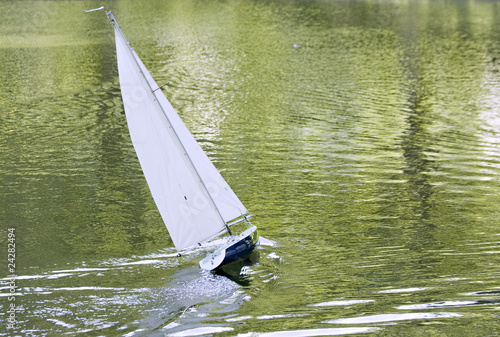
<point>194,200</point>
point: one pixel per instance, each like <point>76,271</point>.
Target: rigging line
<point>161,86</point>
<point>117,26</point>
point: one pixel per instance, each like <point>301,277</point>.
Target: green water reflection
<point>362,135</point>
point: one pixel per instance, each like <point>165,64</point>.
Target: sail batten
<point>194,200</point>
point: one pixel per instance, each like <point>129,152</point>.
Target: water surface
<point>363,136</point>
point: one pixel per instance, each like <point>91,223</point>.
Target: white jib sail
<point>195,202</point>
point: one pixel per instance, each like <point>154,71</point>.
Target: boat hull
<point>236,249</point>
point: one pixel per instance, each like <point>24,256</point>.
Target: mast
<point>155,94</point>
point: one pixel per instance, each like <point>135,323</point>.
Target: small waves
<point>444,304</point>
<point>91,296</point>
<point>340,303</point>
<point>398,291</point>
<point>312,332</point>
<point>388,318</point>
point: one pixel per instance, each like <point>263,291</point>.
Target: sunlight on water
<point>438,305</point>
<point>392,318</point>
<point>313,332</point>
<point>201,331</point>
<point>339,303</point>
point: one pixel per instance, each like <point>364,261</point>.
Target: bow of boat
<point>237,248</point>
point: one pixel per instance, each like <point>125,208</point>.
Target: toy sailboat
<point>195,202</point>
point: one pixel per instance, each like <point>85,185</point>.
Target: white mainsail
<point>195,202</point>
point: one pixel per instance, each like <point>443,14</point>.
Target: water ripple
<point>339,303</point>
<point>311,332</point>
<point>201,331</point>
<point>386,318</point>
<point>398,291</point>
<point>445,304</point>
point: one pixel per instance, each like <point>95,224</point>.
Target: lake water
<point>364,136</point>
